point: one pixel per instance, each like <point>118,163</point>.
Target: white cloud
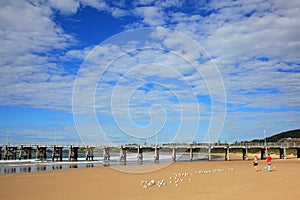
<point>143,2</point>
<point>117,12</point>
<point>152,16</point>
<point>271,31</point>
<point>28,28</point>
<point>136,81</point>
<point>161,4</point>
<point>30,75</point>
<point>238,35</point>
<point>65,6</point>
<point>265,32</point>
<point>68,7</point>
<point>98,4</point>
<point>76,54</point>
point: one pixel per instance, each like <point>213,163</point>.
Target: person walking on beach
<point>268,160</point>
<point>255,163</point>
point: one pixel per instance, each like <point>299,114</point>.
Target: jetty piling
<point>209,152</point>
<point>227,153</point>
<point>57,153</point>
<point>174,154</point>
<point>73,153</point>
<point>282,153</point>
<point>245,153</point>
<point>106,153</point>
<point>25,152</point>
<point>122,154</point>
<point>191,153</point>
<point>89,154</point>
<point>262,153</point>
<point>156,154</point>
<point>10,152</point>
<point>41,152</point>
<point>140,154</point>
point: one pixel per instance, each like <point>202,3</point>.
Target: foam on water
<point>34,165</point>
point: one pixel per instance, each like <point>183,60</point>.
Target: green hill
<point>287,134</point>
<point>279,136</point>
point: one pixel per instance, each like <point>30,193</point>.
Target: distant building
<point>289,140</point>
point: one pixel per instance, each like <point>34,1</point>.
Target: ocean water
<point>34,165</point>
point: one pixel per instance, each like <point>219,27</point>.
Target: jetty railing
<point>26,149</point>
<point>176,145</point>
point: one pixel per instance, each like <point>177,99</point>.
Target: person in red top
<point>268,160</point>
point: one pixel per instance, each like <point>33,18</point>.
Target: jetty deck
<point>27,150</point>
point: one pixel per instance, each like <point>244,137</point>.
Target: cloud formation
<point>255,45</point>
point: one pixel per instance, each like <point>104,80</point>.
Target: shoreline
<point>204,180</point>
<point>29,166</point>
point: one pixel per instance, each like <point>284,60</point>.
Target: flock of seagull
<point>179,178</point>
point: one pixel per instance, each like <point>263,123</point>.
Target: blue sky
<point>148,71</point>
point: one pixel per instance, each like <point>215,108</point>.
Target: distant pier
<point>25,151</point>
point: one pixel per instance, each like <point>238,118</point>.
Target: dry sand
<point>204,180</point>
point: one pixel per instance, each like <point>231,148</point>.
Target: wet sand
<point>198,180</point>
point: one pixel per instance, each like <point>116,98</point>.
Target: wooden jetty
<point>25,151</point>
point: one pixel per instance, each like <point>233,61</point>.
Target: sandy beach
<point>182,180</point>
